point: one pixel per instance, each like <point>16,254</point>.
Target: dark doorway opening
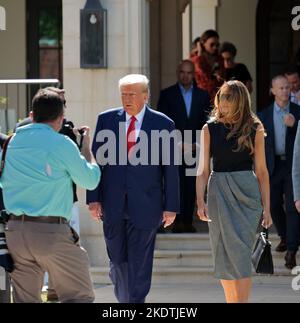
<point>277,44</point>
<point>44,39</point>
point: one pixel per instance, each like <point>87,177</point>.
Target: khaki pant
<point>41,247</point>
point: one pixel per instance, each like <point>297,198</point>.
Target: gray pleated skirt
<point>235,208</point>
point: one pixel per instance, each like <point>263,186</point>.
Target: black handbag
<point>262,259</point>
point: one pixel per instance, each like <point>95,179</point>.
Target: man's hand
<point>297,203</point>
<point>96,211</point>
<point>289,120</point>
<point>83,134</point>
<point>168,218</point>
<point>84,140</point>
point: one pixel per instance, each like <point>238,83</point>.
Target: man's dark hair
<point>47,106</point>
<point>228,48</point>
<point>291,70</point>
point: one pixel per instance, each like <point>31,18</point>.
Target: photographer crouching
<point>39,168</point>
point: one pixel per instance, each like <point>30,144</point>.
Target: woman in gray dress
<point>237,195</point>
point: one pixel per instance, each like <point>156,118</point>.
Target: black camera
<point>67,130</point>
<point>81,131</point>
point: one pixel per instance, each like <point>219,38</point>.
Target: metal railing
<point>16,96</point>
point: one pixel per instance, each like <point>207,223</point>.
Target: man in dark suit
<point>188,106</point>
<point>281,122</point>
<point>133,199</point>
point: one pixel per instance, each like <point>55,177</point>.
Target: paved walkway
<point>265,290</point>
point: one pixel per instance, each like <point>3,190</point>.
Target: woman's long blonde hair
<point>240,118</point>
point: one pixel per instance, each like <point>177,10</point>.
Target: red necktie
<point>131,140</point>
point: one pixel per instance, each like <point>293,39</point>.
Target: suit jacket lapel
<point>181,105</point>
<point>120,132</point>
<point>146,125</point>
<point>293,112</point>
<point>271,125</point>
<point>193,106</point>
<point>120,117</point>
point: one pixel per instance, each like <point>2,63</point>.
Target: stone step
<point>182,242</point>
<point>186,258</point>
<point>191,241</point>
<point>198,258</point>
<point>176,275</point>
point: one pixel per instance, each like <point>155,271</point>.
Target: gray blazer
<point>296,167</point>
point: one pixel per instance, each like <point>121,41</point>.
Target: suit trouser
<point>187,196</point>
<point>283,210</point>
<point>40,247</point>
<point>131,260</point>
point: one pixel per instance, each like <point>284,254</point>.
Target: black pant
<point>187,196</point>
<point>284,213</point>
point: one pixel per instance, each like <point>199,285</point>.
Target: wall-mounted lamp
<point>93,35</point>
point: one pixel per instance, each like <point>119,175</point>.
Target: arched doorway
<point>277,43</point>
<point>166,43</point>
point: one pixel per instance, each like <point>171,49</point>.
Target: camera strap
<point>5,145</point>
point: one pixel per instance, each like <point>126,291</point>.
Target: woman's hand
<point>203,211</point>
<point>297,203</point>
<point>267,220</point>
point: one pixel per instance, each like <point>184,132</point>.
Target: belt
<point>39,219</point>
<point>281,157</point>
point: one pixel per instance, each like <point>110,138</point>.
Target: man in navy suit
<point>281,122</point>
<point>188,106</point>
<point>133,200</point>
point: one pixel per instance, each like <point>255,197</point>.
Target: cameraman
<point>67,130</point>
<point>37,187</point>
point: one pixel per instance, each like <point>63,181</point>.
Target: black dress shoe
<point>189,228</point>
<point>161,230</point>
<point>282,247</point>
<point>178,227</point>
<point>290,259</point>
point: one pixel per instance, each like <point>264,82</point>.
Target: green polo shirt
<point>39,169</point>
